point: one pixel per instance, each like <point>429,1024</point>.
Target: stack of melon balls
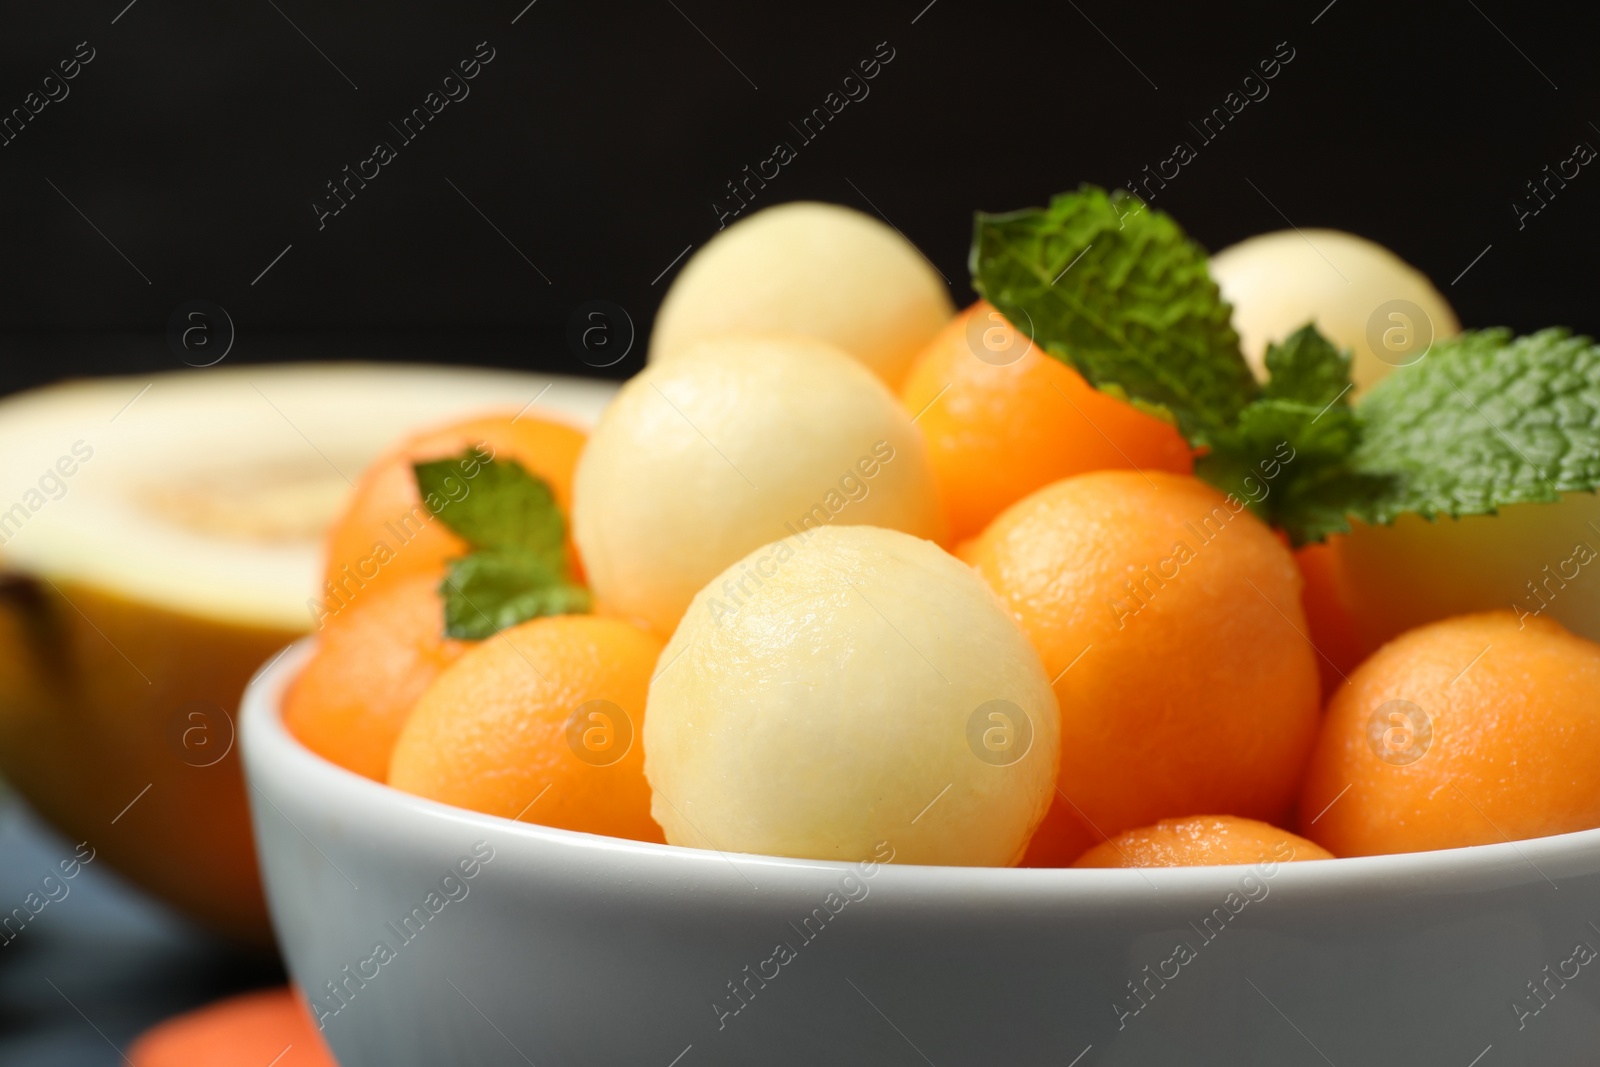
<point>868,574</point>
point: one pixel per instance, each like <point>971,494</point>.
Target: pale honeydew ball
<point>737,442</point>
<point>1362,297</point>
<point>1533,559</point>
<point>837,691</point>
<point>820,270</point>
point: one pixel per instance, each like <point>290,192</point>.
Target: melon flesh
<point>830,697</point>
<point>817,270</point>
<point>160,537</point>
<point>209,492</point>
<point>1535,559</point>
<point>1354,289</point>
<point>728,446</point>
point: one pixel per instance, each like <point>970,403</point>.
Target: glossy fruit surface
<point>816,270</point>
<point>386,532</point>
<point>372,663</point>
<point>852,689</point>
<point>1002,419</point>
<point>731,445</point>
<point>1202,841</point>
<point>540,723</point>
<point>1171,624</point>
<point>1473,730</point>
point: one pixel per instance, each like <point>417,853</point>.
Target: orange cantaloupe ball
<point>1061,838</point>
<point>1330,623</point>
<point>249,1030</point>
<point>1170,622</point>
<point>1202,841</point>
<point>1003,418</point>
<point>1469,731</point>
<point>542,723</point>
<point>371,664</point>
<point>385,531</point>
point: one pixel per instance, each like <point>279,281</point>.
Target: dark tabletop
<point>94,969</point>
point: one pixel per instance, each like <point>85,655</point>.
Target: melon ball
<point>1537,560</point>
<point>737,442</point>
<point>848,691</point>
<point>1362,297</point>
<point>819,270</point>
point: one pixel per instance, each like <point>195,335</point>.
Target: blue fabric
<point>101,964</point>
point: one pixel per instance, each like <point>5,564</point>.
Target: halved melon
<point>160,538</point>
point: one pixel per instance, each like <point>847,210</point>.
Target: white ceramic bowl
<point>566,948</point>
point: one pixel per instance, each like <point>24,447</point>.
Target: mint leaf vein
<point>1117,291</point>
<point>518,567</point>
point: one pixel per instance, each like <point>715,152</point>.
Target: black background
<point>601,134</point>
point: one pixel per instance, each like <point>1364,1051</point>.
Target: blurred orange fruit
<point>372,663</point>
<point>1170,621</point>
<point>386,532</point>
<point>1330,624</point>
<point>1463,732</point>
<point>1202,841</point>
<point>1002,418</point>
<point>249,1030</point>
<point>1061,838</point>
<point>542,723</point>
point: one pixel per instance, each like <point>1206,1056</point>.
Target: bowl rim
<point>264,738</point>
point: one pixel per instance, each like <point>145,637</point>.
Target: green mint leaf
<point>489,591</point>
<point>1117,291</point>
<point>1483,421</point>
<point>1321,504</point>
<point>1308,368</point>
<point>1276,455</point>
<point>518,567</point>
<point>1284,449</point>
<point>493,504</point>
